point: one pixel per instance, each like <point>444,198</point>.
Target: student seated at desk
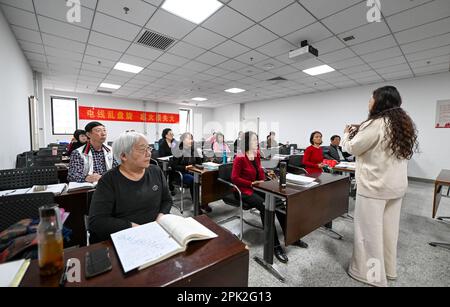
<point>165,150</point>
<point>89,162</point>
<point>334,151</point>
<point>247,172</point>
<point>132,194</point>
<point>184,157</point>
<point>219,147</point>
<point>79,139</point>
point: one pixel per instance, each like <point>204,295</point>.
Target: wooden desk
<point>77,203</point>
<point>220,262</point>
<point>212,189</point>
<point>306,210</point>
<point>442,180</point>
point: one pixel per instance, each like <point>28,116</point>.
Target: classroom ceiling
<point>243,45</point>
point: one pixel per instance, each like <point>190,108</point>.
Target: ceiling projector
<point>305,52</point>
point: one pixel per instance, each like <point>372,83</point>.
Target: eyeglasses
<point>144,149</point>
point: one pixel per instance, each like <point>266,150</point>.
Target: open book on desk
<point>76,186</point>
<point>56,189</point>
<point>142,246</point>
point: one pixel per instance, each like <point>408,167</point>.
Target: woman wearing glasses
<point>132,194</point>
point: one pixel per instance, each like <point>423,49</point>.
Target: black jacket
<point>331,153</point>
<point>180,163</point>
<point>164,149</point>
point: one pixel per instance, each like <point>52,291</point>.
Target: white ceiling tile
<point>63,29</point>
<point>232,65</point>
<point>35,56</point>
<point>58,10</point>
<point>337,55</point>
<point>285,70</point>
<point>431,61</point>
<point>431,69</point>
<point>109,42</point>
<point>94,60</point>
<point>312,33</point>
<point>366,33</point>
<point>21,4</point>
<point>355,69</point>
<point>62,43</point>
<point>288,20</point>
<point>233,76</point>
<point>169,24</point>
<point>308,64</point>
<point>20,17</point>
<point>196,66</point>
<point>115,27</point>
<point>255,36</point>
<point>211,58</point>
<point>392,68</point>
<point>144,52</point>
<point>396,75</point>
<point>161,67</point>
<point>328,45</point>
<point>427,44</point>
<point>139,12</point>
<point>389,62</point>
<point>391,7</point>
<point>94,67</point>
<point>276,48</point>
<point>60,53</point>
<point>154,2</point>
<point>27,35</point>
<point>363,75</point>
<point>130,59</point>
<point>420,15</point>
<point>172,59</point>
<point>227,22</point>
<point>345,84</point>
<point>204,38</point>
<point>251,57</point>
<point>324,8</point>
<point>186,50</point>
<point>423,32</point>
<point>103,53</point>
<point>348,19</point>
<point>230,49</point>
<point>32,47</point>
<point>374,45</point>
<point>152,73</point>
<point>428,54</point>
<point>381,55</point>
<point>356,61</point>
<point>259,9</point>
<point>216,71</point>
<point>250,71</point>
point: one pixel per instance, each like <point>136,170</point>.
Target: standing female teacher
<point>383,144</point>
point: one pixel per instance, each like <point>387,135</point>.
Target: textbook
<point>11,273</point>
<point>75,186</point>
<point>142,246</point>
<point>56,189</point>
<point>300,180</point>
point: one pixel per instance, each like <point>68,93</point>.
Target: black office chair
<point>296,166</point>
<point>18,207</point>
<point>234,199</point>
<point>20,178</point>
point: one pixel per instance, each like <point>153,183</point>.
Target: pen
<point>63,279</point>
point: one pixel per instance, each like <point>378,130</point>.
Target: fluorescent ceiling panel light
<point>323,69</point>
<point>199,99</point>
<point>128,68</point>
<point>110,86</point>
<point>234,90</point>
<point>195,11</point>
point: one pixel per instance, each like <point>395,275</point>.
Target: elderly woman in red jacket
<point>247,172</point>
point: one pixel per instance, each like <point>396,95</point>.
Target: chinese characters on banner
<point>443,114</point>
<point>103,114</point>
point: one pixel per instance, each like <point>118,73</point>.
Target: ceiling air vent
<point>155,40</point>
<point>104,92</point>
<point>348,38</point>
<point>278,79</point>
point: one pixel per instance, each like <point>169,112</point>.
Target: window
<point>186,121</point>
<point>64,115</point>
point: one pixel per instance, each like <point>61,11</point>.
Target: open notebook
<point>11,273</point>
<point>145,245</point>
<point>76,186</point>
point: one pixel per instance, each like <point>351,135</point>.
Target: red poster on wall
<point>104,114</point>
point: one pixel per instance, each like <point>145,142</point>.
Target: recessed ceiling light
<point>195,11</point>
<point>199,99</point>
<point>111,86</point>
<point>128,68</point>
<point>323,69</point>
<point>234,90</point>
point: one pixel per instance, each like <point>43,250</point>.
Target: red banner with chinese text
<point>104,114</point>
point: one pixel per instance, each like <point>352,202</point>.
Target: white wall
<point>152,130</point>
<point>16,84</point>
<point>226,120</point>
<point>295,118</point>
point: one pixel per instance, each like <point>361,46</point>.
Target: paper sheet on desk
<point>14,192</point>
<point>299,179</point>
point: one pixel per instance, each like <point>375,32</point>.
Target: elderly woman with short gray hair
<point>132,194</point>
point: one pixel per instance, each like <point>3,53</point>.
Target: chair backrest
<point>285,150</point>
<point>46,161</point>
<point>296,160</point>
<point>18,207</point>
<point>225,171</point>
<point>27,177</point>
<point>155,154</point>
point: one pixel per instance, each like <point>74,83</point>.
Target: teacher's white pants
<point>376,235</point>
